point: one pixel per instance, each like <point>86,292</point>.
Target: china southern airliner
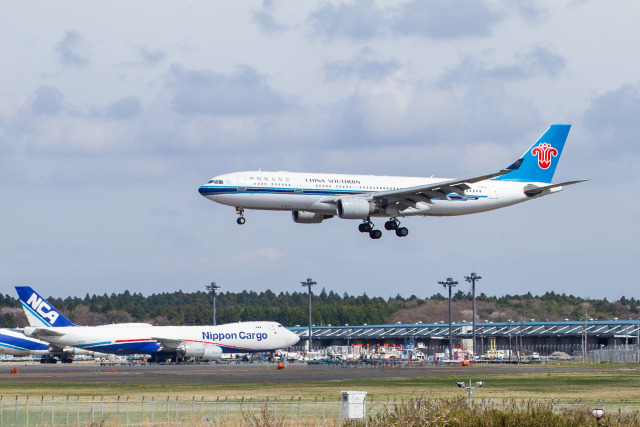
<point>314,197</point>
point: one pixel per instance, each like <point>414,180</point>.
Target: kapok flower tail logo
<point>544,152</point>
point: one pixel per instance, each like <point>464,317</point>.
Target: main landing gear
<point>240,220</point>
<point>392,224</point>
<point>367,227</point>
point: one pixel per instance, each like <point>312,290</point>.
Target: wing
<point>409,196</point>
<point>168,343</point>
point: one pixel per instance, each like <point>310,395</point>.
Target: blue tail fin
<point>39,311</point>
<point>540,161</point>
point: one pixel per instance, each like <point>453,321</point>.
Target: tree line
<point>329,308</point>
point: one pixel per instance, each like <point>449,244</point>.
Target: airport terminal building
<point>544,338</point>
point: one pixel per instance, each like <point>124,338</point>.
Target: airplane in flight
<point>14,342</point>
<point>161,342</point>
<point>314,197</point>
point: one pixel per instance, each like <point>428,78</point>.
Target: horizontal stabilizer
<point>41,332</point>
<point>534,191</point>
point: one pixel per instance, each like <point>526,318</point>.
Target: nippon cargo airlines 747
<point>206,342</point>
<point>314,197</point>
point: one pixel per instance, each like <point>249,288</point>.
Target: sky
<point>112,114</point>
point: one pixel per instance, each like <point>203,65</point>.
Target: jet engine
<point>304,217</point>
<point>355,208</point>
<point>73,351</point>
<point>204,351</point>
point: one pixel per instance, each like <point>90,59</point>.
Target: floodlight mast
<point>309,283</point>
<point>212,288</point>
<point>450,283</point>
<point>472,279</point>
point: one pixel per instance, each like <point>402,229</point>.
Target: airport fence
<point>619,354</point>
<point>168,410</point>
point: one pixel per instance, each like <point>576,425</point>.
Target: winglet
<point>515,166</point>
<point>39,311</point>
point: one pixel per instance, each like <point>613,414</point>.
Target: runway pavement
<point>87,372</point>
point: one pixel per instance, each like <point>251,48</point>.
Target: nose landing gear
<point>240,220</point>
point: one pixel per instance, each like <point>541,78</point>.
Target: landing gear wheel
<point>375,234</point>
<point>392,224</point>
<point>365,227</point>
<point>241,220</point>
<point>402,231</point>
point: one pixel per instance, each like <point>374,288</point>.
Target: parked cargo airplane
<point>206,342</point>
<point>314,197</point>
<point>15,343</point>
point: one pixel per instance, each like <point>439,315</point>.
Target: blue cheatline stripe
<point>21,343</point>
<point>30,310</point>
<point>217,191</point>
<point>143,347</point>
<point>13,347</point>
<point>207,191</point>
<point>151,347</point>
<point>93,344</point>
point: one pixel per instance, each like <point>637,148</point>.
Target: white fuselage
<point>115,339</point>
<point>288,191</point>
<point>17,344</point>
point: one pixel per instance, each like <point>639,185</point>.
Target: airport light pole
<point>347,325</point>
<point>450,283</point>
<point>472,279</point>
<point>509,334</point>
<point>212,288</point>
<point>309,283</point>
<point>584,338</point>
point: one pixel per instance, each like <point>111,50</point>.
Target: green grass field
<point>608,382</point>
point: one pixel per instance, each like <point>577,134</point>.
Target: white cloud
<point>612,119</point>
<point>48,100</point>
<point>101,136</point>
<point>445,19</point>
<point>539,62</point>
<point>242,92</point>
<point>128,107</point>
<point>359,20</point>
<point>72,50</point>
<point>266,20</point>
<point>364,66</point>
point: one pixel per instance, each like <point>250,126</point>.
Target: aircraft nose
<point>291,338</point>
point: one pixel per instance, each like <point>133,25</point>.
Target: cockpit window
<point>215,181</point>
